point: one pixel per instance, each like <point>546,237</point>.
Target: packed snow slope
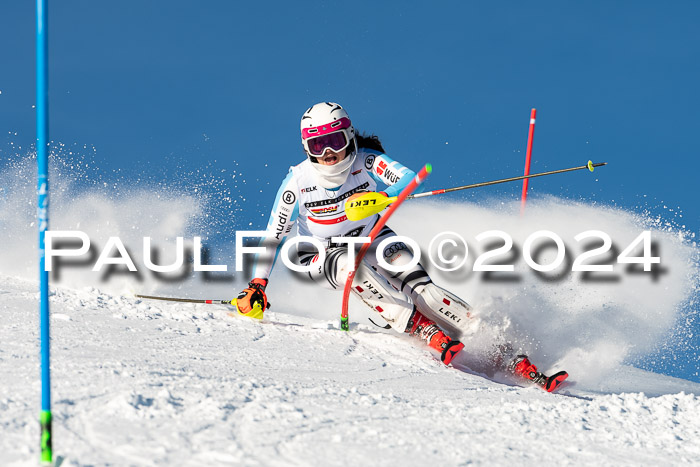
<point>154,383</point>
<point>140,382</point>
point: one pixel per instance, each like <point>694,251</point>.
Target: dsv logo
<point>394,248</point>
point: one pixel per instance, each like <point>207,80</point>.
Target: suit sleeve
<point>285,211</point>
<point>389,172</point>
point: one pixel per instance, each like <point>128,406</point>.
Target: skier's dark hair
<point>369,141</point>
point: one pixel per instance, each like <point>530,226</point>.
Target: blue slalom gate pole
<point>42,142</point>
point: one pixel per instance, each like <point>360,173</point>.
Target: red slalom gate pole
<point>417,180</point>
<point>528,156</point>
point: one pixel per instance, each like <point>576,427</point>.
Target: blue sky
<point>156,87</point>
<point>449,83</point>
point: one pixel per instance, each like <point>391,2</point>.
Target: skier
<point>340,165</point>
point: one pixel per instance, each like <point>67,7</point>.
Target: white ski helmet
<point>327,125</point>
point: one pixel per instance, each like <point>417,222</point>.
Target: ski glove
<point>252,301</point>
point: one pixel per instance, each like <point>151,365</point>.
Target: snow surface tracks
<point>143,383</point>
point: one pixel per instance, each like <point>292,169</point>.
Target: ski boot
<point>521,366</point>
<point>428,331</point>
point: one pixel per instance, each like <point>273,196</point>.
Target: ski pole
<point>188,300</point>
<point>590,166</point>
<point>373,203</point>
<point>255,313</point>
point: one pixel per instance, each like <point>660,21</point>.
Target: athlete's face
<point>331,158</point>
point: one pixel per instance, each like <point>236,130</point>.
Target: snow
<point>142,382</point>
<point>153,383</point>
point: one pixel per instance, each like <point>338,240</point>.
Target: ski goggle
<point>335,141</point>
<point>335,135</point>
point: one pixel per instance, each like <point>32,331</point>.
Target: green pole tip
<point>45,417</point>
<point>46,439</point>
<point>428,168</point>
<point>590,166</point>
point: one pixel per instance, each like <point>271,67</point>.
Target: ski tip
<point>450,351</point>
<point>554,381</point>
